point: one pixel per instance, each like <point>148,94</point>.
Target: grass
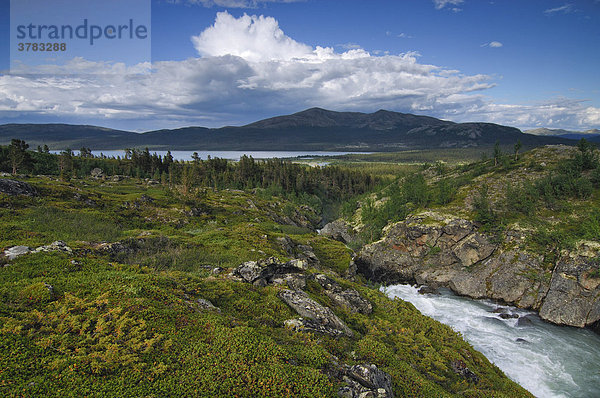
<point>91,323</point>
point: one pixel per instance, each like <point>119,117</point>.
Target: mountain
<point>314,129</point>
<point>593,134</point>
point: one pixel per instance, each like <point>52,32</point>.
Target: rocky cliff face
<point>433,249</point>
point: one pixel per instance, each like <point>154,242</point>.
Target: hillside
<point>523,231</point>
<point>310,130</point>
<point>115,285</point>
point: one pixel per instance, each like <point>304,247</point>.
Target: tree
<point>17,153</point>
<point>497,153</point>
<point>518,146</point>
<point>65,163</point>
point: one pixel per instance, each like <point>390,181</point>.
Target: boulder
<point>264,272</point>
<point>348,298</point>
<point>310,309</point>
<point>58,245</point>
<point>13,252</point>
<point>572,300</point>
<point>207,305</point>
<point>366,381</point>
<point>339,230</point>
<point>97,173</point>
<point>14,187</point>
<point>312,326</point>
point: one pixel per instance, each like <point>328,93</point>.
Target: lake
<point>231,155</point>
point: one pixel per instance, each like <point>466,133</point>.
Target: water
<point>231,155</point>
<point>549,361</point>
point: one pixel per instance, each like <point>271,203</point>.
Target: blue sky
<point>228,62</point>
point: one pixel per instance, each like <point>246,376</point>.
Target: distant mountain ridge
<point>593,134</point>
<point>313,129</point>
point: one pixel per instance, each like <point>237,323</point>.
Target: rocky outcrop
<point>366,381</point>
<point>339,230</point>
<point>14,187</point>
<point>272,271</point>
<point>13,252</point>
<point>348,298</point>
<point>315,317</point>
<point>299,251</point>
<point>430,249</point>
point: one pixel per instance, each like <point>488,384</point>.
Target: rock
<point>58,245</point>
<point>97,173</point>
<point>522,341</point>
<point>348,298</point>
<point>306,252</point>
<point>339,230</point>
<point>568,302</point>
<point>366,381</point>
<point>312,326</point>
<point>432,289</point>
<point>117,178</point>
<point>308,308</point>
<point>264,272</point>
<point>472,264</point>
<point>207,305</point>
<point>460,368</point>
<point>302,252</point>
<point>287,244</point>
<point>13,252</point>
<point>293,281</point>
<point>505,315</point>
<point>524,321</point>
<point>14,187</point>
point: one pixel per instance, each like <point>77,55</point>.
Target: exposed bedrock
<point>453,252</point>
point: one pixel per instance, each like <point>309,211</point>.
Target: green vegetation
<point>119,315</point>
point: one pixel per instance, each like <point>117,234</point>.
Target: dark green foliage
<point>484,213</point>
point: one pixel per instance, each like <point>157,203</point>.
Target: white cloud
<point>439,4</point>
<point>565,9</point>
<point>248,68</point>
<point>493,44</point>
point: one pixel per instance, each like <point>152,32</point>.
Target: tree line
<point>278,175</point>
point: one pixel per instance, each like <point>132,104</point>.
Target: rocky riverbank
<point>435,249</point>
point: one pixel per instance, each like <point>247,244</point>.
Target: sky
<point>213,63</point>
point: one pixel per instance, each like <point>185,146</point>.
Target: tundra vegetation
<point>141,297</point>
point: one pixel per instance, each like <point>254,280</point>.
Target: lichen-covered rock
<point>433,249</point>
<point>348,298</point>
<point>339,230</point>
<point>13,252</point>
<point>309,308</point>
<point>573,297</point>
<point>264,272</point>
<point>14,187</point>
<point>366,381</point>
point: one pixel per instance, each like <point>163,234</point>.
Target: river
<point>548,360</point>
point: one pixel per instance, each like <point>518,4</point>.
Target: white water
<point>553,361</point>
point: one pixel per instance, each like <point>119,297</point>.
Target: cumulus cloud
<point>247,67</point>
<point>439,4</point>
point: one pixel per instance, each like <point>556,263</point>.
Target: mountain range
<point>314,129</point>
<point>592,135</point>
